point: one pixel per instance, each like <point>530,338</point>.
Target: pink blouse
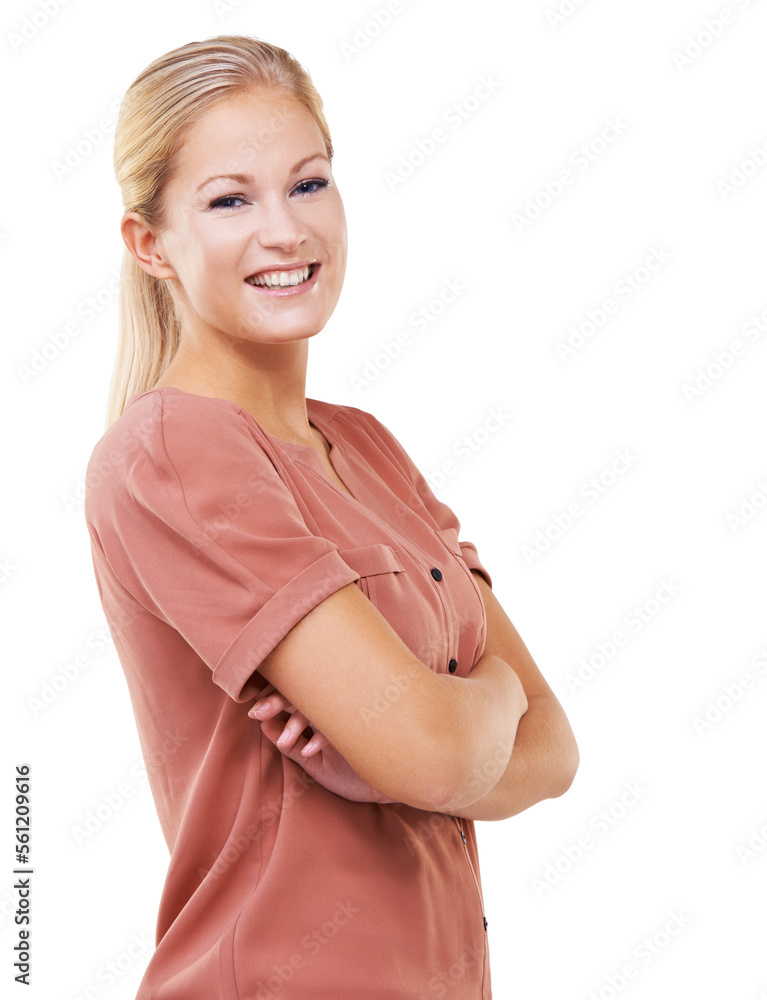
<point>210,540</point>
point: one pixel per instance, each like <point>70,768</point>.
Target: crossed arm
<point>545,756</point>
<point>543,753</point>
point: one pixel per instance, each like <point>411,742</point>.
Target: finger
<point>272,729</point>
<point>269,705</point>
<point>262,699</point>
<point>292,730</point>
<point>316,743</point>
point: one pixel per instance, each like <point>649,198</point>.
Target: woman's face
<point>255,236</point>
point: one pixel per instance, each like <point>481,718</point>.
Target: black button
<point>436,574</point>
<point>485,920</point>
<point>452,666</point>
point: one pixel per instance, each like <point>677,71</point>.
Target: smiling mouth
<point>282,279</point>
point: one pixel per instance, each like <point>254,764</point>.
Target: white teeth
<point>279,279</point>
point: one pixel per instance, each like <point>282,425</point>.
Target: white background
<point>685,125</point>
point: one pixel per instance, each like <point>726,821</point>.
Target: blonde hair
<point>159,109</point>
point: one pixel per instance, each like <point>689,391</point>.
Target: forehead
<point>255,128</point>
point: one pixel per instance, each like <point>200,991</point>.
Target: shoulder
<point>365,432</point>
<point>163,438</point>
<point>381,451</point>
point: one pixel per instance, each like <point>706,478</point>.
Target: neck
<point>266,380</point>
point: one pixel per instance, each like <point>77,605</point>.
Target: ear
<point>144,246</point>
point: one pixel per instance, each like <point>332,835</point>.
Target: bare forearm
<point>489,704</point>
<point>542,765</point>
<point>476,748</point>
<point>477,729</point>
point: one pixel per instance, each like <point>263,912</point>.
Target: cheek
<point>336,242</point>
<point>211,252</point>
<point>332,226</point>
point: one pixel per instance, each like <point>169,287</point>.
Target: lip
<point>287,290</point>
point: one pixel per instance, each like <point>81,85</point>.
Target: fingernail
<point>283,736</point>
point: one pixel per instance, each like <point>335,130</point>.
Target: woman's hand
<point>317,756</point>
<point>269,704</point>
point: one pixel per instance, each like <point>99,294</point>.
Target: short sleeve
<point>443,516</point>
<point>197,525</point>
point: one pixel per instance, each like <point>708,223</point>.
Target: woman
<point>326,690</point>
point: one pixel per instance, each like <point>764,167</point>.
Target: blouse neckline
<point>337,454</point>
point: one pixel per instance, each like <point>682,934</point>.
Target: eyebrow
<point>246,178</point>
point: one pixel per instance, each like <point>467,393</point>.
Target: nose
<point>279,226</point>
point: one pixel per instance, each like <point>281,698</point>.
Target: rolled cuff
<point>472,560</point>
<point>234,671</point>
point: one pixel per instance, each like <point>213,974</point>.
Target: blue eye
<point>226,201</point>
<point>311,186</point>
